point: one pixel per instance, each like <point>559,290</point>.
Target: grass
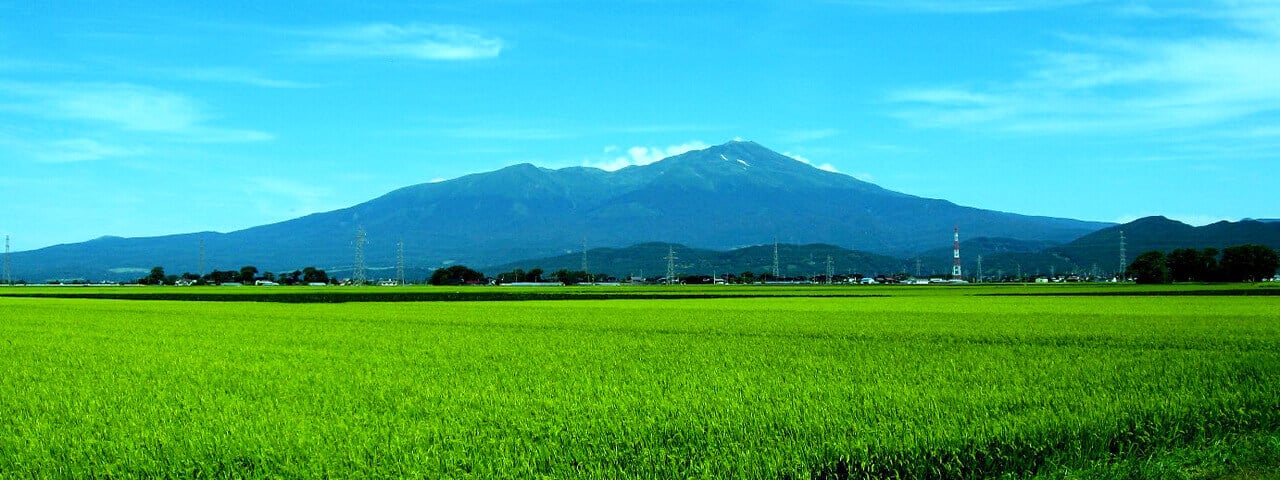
<point>931,385</point>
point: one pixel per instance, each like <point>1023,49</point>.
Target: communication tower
<point>1124,261</point>
<point>8,275</point>
<point>831,271</point>
<point>584,255</point>
<point>979,268</point>
<point>775,260</point>
<point>671,264</point>
<point>200,262</point>
<point>400,262</point>
<point>358,276</point>
<point>955,265</point>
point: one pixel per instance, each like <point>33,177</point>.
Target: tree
<point>248,274</point>
<point>1249,263</point>
<point>534,275</point>
<point>1189,264</point>
<point>455,275</point>
<point>1149,267</point>
<point>156,277</point>
<point>314,275</point>
<point>570,277</point>
<point>219,277</point>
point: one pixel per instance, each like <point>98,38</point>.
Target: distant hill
<point>720,198</point>
<point>650,260</point>
<point>1097,252</point>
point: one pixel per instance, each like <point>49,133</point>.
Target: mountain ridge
<point>721,197</point>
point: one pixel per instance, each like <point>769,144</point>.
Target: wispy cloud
<point>124,107</point>
<point>641,155</point>
<point>967,6</point>
<point>1121,85</point>
<point>800,136</point>
<point>500,132</point>
<point>64,150</point>
<point>281,197</point>
<point>411,41</point>
<point>233,75</point>
<point>81,150</point>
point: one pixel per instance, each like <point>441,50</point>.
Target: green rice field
<point>782,383</point>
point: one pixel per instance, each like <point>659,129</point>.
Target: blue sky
<point>138,118</point>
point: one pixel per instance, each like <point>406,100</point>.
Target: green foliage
<point>1189,264</point>
<point>248,274</point>
<point>314,275</point>
<point>156,277</point>
<point>1249,263</point>
<point>1149,268</point>
<point>929,383</point>
<point>455,275</point>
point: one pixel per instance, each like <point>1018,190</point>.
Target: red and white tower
<point>955,265</point>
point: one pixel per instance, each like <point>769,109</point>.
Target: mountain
<point>650,260</point>
<point>1099,252</point>
<point>722,197</point>
<point>1160,233</point>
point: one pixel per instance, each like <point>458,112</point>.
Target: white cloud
<point>825,166</point>
<point>969,6</point>
<point>412,41</point>
<point>640,155</point>
<point>233,75</point>
<point>280,197</point>
<point>1121,85</point>
<point>80,150</point>
<point>864,176</point>
<point>125,107</point>
<point>65,150</point>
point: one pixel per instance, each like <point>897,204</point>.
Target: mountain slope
<point>650,260</point>
<point>722,197</point>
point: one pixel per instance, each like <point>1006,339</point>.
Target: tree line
<point>1243,263</point>
<point>245,275</point>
